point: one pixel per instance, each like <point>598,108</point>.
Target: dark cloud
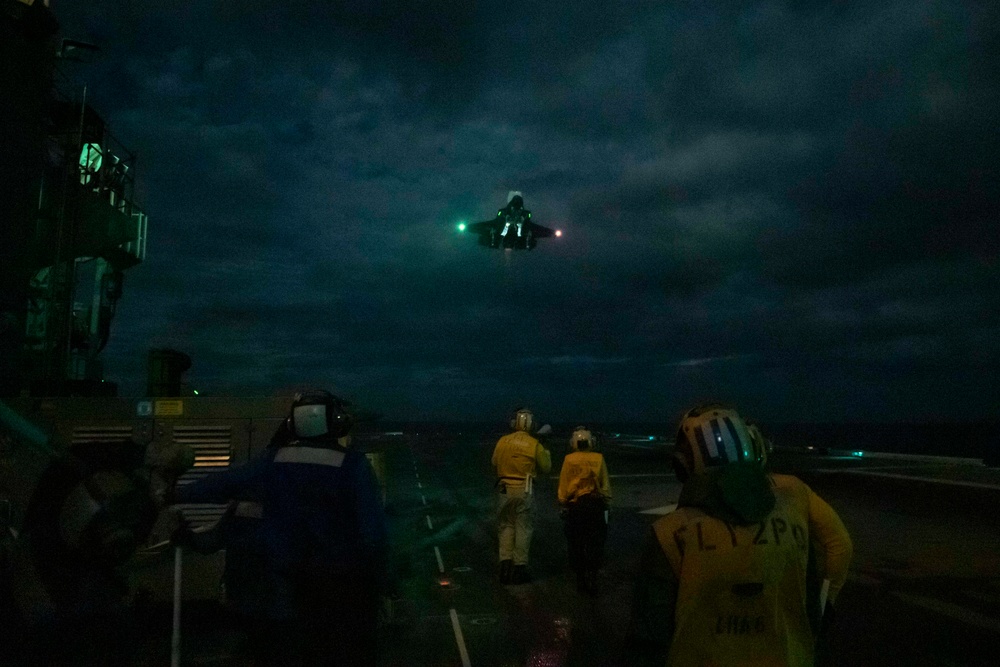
<point>789,205</point>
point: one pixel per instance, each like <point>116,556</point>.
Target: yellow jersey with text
<point>518,455</point>
<point>741,596</point>
<point>583,473</point>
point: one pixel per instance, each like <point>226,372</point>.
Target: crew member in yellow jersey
<point>584,496</point>
<point>517,457</point>
<point>724,578</point>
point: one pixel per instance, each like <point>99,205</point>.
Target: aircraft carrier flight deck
<point>924,587</point>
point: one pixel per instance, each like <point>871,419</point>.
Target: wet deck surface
<point>924,586</point>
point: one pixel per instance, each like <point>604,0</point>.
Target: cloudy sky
<point>791,206</point>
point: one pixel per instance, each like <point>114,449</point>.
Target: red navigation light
<point>558,232</point>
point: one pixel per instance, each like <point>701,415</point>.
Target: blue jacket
<point>321,514</point>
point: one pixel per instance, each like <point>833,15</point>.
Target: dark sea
<point>960,439</point>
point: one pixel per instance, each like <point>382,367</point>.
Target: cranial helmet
<point>581,439</point>
<point>318,414</point>
<point>523,420</point>
<point>710,436</point>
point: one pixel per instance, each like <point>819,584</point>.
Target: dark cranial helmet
<point>711,435</point>
<point>319,414</point>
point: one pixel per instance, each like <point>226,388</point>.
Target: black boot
<point>505,570</point>
<point>520,575</point>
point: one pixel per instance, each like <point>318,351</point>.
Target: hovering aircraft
<point>512,228</point>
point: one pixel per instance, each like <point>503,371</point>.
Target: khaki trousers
<point>515,515</point>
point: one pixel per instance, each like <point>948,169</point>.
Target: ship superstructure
<point>72,223</point>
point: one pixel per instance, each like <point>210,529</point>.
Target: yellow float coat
<point>741,589</point>
<point>517,456</point>
<point>583,473</point>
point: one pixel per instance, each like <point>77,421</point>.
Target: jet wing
<point>539,231</point>
<point>485,226</point>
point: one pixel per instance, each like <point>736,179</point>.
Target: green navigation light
<point>461,226</point>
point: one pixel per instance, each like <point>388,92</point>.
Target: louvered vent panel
<point>99,433</point>
<point>213,449</point>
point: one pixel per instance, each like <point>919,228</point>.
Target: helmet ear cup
<point>758,443</point>
<point>340,423</point>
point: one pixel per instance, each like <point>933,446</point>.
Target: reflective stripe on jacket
<point>583,473</point>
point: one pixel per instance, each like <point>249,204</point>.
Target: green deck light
<point>461,226</point>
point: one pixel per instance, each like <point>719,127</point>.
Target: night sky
<point>791,206</point>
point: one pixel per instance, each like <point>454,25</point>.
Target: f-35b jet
<point>512,228</point>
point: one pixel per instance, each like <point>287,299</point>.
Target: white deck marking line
<point>928,458</point>
<point>666,509</point>
<point>914,478</point>
<point>900,466</point>
<point>429,524</point>
<point>437,552</point>
<point>459,639</point>
<point>419,485</point>
<point>952,611</point>
<point>424,499</point>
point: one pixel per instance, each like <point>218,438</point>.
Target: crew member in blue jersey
<point>322,532</point>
